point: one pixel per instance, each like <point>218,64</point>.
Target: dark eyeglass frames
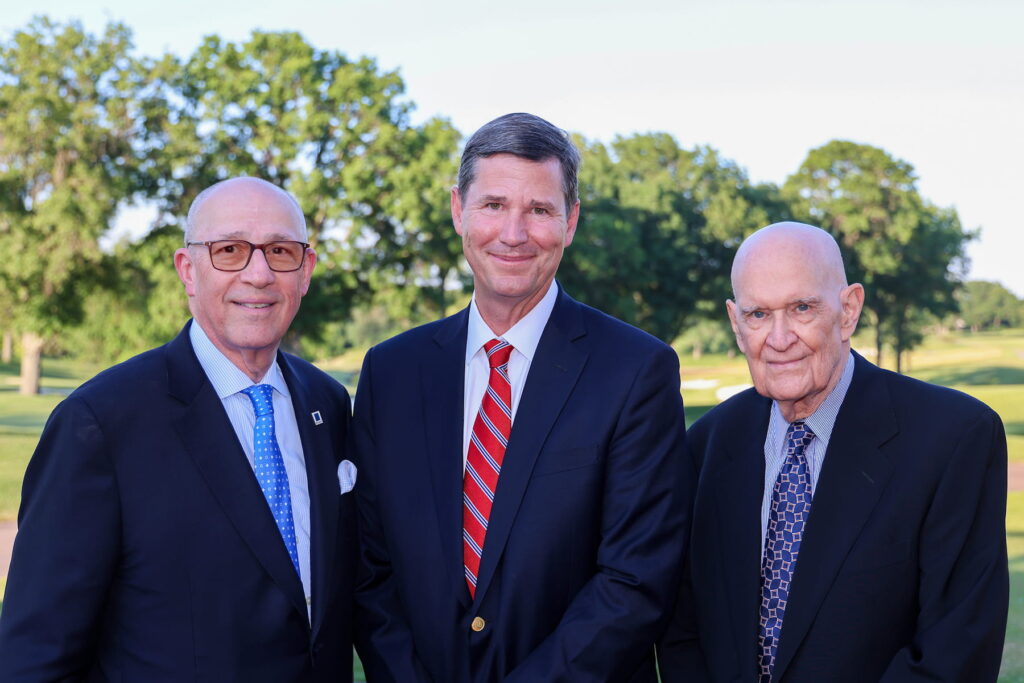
<point>283,256</point>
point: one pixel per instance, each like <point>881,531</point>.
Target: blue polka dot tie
<point>791,505</point>
<point>269,466</point>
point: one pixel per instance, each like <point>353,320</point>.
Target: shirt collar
<point>524,336</point>
<point>823,420</point>
<point>224,375</point>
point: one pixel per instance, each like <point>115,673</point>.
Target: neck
<point>501,313</point>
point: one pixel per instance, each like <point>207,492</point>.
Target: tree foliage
<point>659,225</point>
<point>909,255</point>
<point>67,160</point>
<point>989,305</point>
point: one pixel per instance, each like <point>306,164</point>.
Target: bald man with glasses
<point>186,515</point>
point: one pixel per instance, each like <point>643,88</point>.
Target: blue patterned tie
<point>791,505</point>
<point>269,466</point>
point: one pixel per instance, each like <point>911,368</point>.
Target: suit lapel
<point>739,490</point>
<point>324,495</point>
<point>553,373</point>
<point>442,377</point>
<point>853,476</point>
<point>212,444</point>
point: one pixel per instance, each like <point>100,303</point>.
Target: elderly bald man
<point>182,517</point>
<point>849,522</point>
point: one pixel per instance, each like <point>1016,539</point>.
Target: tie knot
<point>262,397</point>
<point>498,352</point>
<point>799,436</point>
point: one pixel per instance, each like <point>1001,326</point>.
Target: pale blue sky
<point>938,84</point>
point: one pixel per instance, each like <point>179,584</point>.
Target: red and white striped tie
<point>483,461</point>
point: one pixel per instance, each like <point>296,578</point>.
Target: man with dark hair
<point>521,490</point>
<point>849,522</point>
<point>182,517</point>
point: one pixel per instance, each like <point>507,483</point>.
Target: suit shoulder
<point>914,395</point>
<point>414,338</point>
<point>737,410</point>
<point>609,328</point>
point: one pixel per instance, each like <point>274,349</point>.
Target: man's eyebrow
<point>488,198</point>
<point>809,300</point>
<point>540,203</point>
<point>273,237</point>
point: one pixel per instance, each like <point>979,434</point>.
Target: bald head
<point>241,194</point>
<point>808,249</point>
<point>793,314</point>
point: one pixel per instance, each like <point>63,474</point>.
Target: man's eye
<point>493,206</point>
<point>540,211</point>
<point>802,308</point>
<point>758,315</point>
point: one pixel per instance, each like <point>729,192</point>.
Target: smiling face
<point>245,313</point>
<point>793,315</point>
<point>514,228</point>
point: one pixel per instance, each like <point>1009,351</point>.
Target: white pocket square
<point>346,476</point>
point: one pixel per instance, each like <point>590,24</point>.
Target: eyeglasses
<point>233,255</point>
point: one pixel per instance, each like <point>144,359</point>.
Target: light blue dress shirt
<point>228,381</point>
<point>821,422</point>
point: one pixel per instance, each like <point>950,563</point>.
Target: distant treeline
<point>88,126</point>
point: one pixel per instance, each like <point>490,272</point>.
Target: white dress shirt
<point>228,381</point>
<point>524,337</point>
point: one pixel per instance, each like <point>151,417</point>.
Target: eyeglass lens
<point>235,254</point>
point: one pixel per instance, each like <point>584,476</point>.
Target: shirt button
<point>478,624</point>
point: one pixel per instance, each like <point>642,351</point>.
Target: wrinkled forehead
<point>777,277</point>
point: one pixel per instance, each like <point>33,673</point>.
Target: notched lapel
<point>738,488</point>
<point>554,371</point>
<point>853,477</point>
<point>442,380</point>
<point>212,444</point>
<point>324,494</point>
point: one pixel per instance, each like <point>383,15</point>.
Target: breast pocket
<point>564,460</point>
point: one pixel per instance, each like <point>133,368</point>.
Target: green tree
<point>659,225</point>
<point>68,130</point>
<point>335,133</point>
<point>909,255</point>
<point>989,305</point>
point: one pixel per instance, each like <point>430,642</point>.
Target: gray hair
<point>526,136</point>
<point>193,209</point>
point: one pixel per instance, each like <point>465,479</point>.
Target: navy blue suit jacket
<point>902,573</point>
<point>581,557</point>
<point>147,552</point>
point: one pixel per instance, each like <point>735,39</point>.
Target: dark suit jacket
<point>902,572</point>
<point>147,552</point>
<point>581,559</point>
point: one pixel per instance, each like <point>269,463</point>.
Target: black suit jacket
<point>902,574</point>
<point>147,552</point>
<point>579,564</point>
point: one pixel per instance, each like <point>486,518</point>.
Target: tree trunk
<point>31,363</point>
<point>7,354</point>
<point>878,347</point>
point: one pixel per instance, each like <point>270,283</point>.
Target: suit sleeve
<point>383,638</point>
<point>680,658</point>
<point>65,554</point>
<point>612,623</point>
<point>964,584</point>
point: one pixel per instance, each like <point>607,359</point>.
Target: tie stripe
<point>487,444</point>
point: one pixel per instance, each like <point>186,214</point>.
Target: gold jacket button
<point>478,624</point>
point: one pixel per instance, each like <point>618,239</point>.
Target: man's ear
<point>730,307</point>
<point>185,266</point>
<point>571,220</point>
<point>851,300</point>
<point>457,209</point>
